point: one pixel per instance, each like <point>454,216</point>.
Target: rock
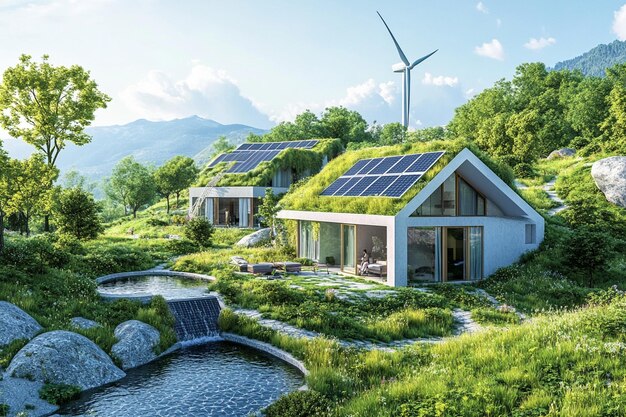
<point>254,239</point>
<point>16,324</point>
<point>137,341</point>
<point>562,153</point>
<point>62,357</point>
<point>83,323</point>
<point>610,177</point>
<point>21,394</point>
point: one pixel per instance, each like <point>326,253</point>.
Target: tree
<point>131,184</point>
<point>29,187</point>
<point>393,134</point>
<point>77,214</point>
<point>344,124</point>
<point>199,230</point>
<point>73,179</point>
<point>4,191</point>
<point>222,145</point>
<point>268,210</point>
<point>174,176</point>
<point>588,250</point>
<point>49,107</point>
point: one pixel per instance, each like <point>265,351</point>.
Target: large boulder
<point>16,324</point>
<point>255,239</point>
<point>562,153</point>
<point>83,323</point>
<point>136,343</point>
<point>610,177</point>
<point>62,357</point>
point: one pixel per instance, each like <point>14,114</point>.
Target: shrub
<point>4,410</point>
<point>77,214</point>
<point>181,246</point>
<point>59,393</point>
<point>156,222</point>
<point>199,230</point>
<point>179,220</point>
<point>524,170</point>
<point>300,404</point>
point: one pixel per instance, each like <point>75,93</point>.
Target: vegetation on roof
<point>300,161</point>
<point>306,196</point>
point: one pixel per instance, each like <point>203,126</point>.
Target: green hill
<point>595,61</point>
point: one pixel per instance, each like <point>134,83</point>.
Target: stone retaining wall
<point>152,272</point>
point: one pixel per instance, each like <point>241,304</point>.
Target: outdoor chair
<point>378,268</point>
<point>289,267</point>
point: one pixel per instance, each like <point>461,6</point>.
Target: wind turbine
<point>405,67</point>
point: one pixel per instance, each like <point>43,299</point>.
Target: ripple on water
<point>168,286</point>
<point>217,379</point>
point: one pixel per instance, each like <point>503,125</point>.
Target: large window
<point>309,241</point>
<point>424,254</point>
<point>455,197</point>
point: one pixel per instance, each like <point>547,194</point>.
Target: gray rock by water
<point>63,357</point>
<point>137,341</point>
<point>83,323</point>
<point>16,324</point>
<point>610,177</point>
<point>254,239</point>
<point>561,153</point>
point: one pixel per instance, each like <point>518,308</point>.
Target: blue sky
<point>259,62</point>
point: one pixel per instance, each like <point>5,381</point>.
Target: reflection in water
<point>169,287</point>
<point>216,379</point>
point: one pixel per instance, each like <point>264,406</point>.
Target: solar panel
<point>401,185</point>
<point>390,176</point>
<point>217,160</point>
<point>332,188</point>
<point>248,156</point>
<point>244,146</point>
<point>360,186</point>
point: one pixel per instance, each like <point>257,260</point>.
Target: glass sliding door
<point>455,253</point>
<point>476,253</point>
<point>309,243</point>
<point>348,248</point>
<point>424,254</point>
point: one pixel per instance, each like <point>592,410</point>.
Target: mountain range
<point>595,61</point>
<point>148,141</point>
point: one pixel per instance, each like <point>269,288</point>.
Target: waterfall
<point>195,318</point>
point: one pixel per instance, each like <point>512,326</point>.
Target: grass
<point>538,198</point>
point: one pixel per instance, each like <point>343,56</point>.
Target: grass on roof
<point>307,196</point>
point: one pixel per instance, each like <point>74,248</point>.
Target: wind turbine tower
<point>405,68</point>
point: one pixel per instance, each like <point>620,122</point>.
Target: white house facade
<point>462,226</point>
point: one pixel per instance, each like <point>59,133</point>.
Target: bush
<point>199,230</point>
<point>34,254</point>
<point>77,214</point>
<point>59,393</point>
<point>4,410</point>
<point>300,404</point>
<point>179,220</point>
<point>156,222</point>
<point>181,246</point>
<point>524,170</point>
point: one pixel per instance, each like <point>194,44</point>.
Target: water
<point>216,379</point>
<point>195,318</point>
<point>168,286</point>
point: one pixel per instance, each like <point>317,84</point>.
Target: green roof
<point>307,196</point>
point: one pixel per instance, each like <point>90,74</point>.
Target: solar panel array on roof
<point>248,156</point>
<point>391,176</point>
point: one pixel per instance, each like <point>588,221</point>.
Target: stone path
<point>552,195</point>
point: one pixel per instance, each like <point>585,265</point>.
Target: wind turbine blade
<point>422,59</point>
<point>402,56</point>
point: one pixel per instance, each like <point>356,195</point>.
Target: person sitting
<point>365,259</point>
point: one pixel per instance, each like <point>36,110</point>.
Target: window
<point>531,234</point>
<point>424,254</point>
<point>455,197</point>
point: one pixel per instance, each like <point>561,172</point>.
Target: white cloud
<point>619,23</point>
<point>491,49</point>
<point>440,80</point>
<point>480,6</point>
<point>536,44</point>
<point>205,92</point>
<point>469,93</point>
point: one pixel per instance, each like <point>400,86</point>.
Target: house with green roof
<point>434,212</point>
<point>233,183</point>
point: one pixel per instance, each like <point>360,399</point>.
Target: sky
<point>263,62</point>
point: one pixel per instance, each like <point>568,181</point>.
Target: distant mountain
<point>149,142</point>
<point>597,60</point>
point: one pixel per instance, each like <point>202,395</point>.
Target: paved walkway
<point>552,195</point>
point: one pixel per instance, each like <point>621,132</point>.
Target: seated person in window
<point>365,259</point>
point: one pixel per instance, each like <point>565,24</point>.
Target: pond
<point>216,379</point>
<point>170,287</point>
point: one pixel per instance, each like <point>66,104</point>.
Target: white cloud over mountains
<point>537,44</point>
<point>440,80</point>
<point>493,50</point>
<point>619,23</point>
<point>205,92</point>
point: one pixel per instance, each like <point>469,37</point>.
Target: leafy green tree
<point>48,106</point>
<point>29,187</point>
<point>222,145</point>
<point>393,134</point>
<point>131,184</point>
<point>589,251</point>
<point>74,179</point>
<point>4,191</point>
<point>268,211</point>
<point>428,134</point>
<point>199,230</point>
<point>344,124</point>
<point>174,176</point>
<point>77,214</point>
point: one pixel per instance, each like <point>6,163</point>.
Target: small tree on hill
<point>268,211</point>
<point>174,176</point>
<point>199,230</point>
<point>77,214</point>
<point>131,184</point>
<point>4,191</point>
<point>588,250</point>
